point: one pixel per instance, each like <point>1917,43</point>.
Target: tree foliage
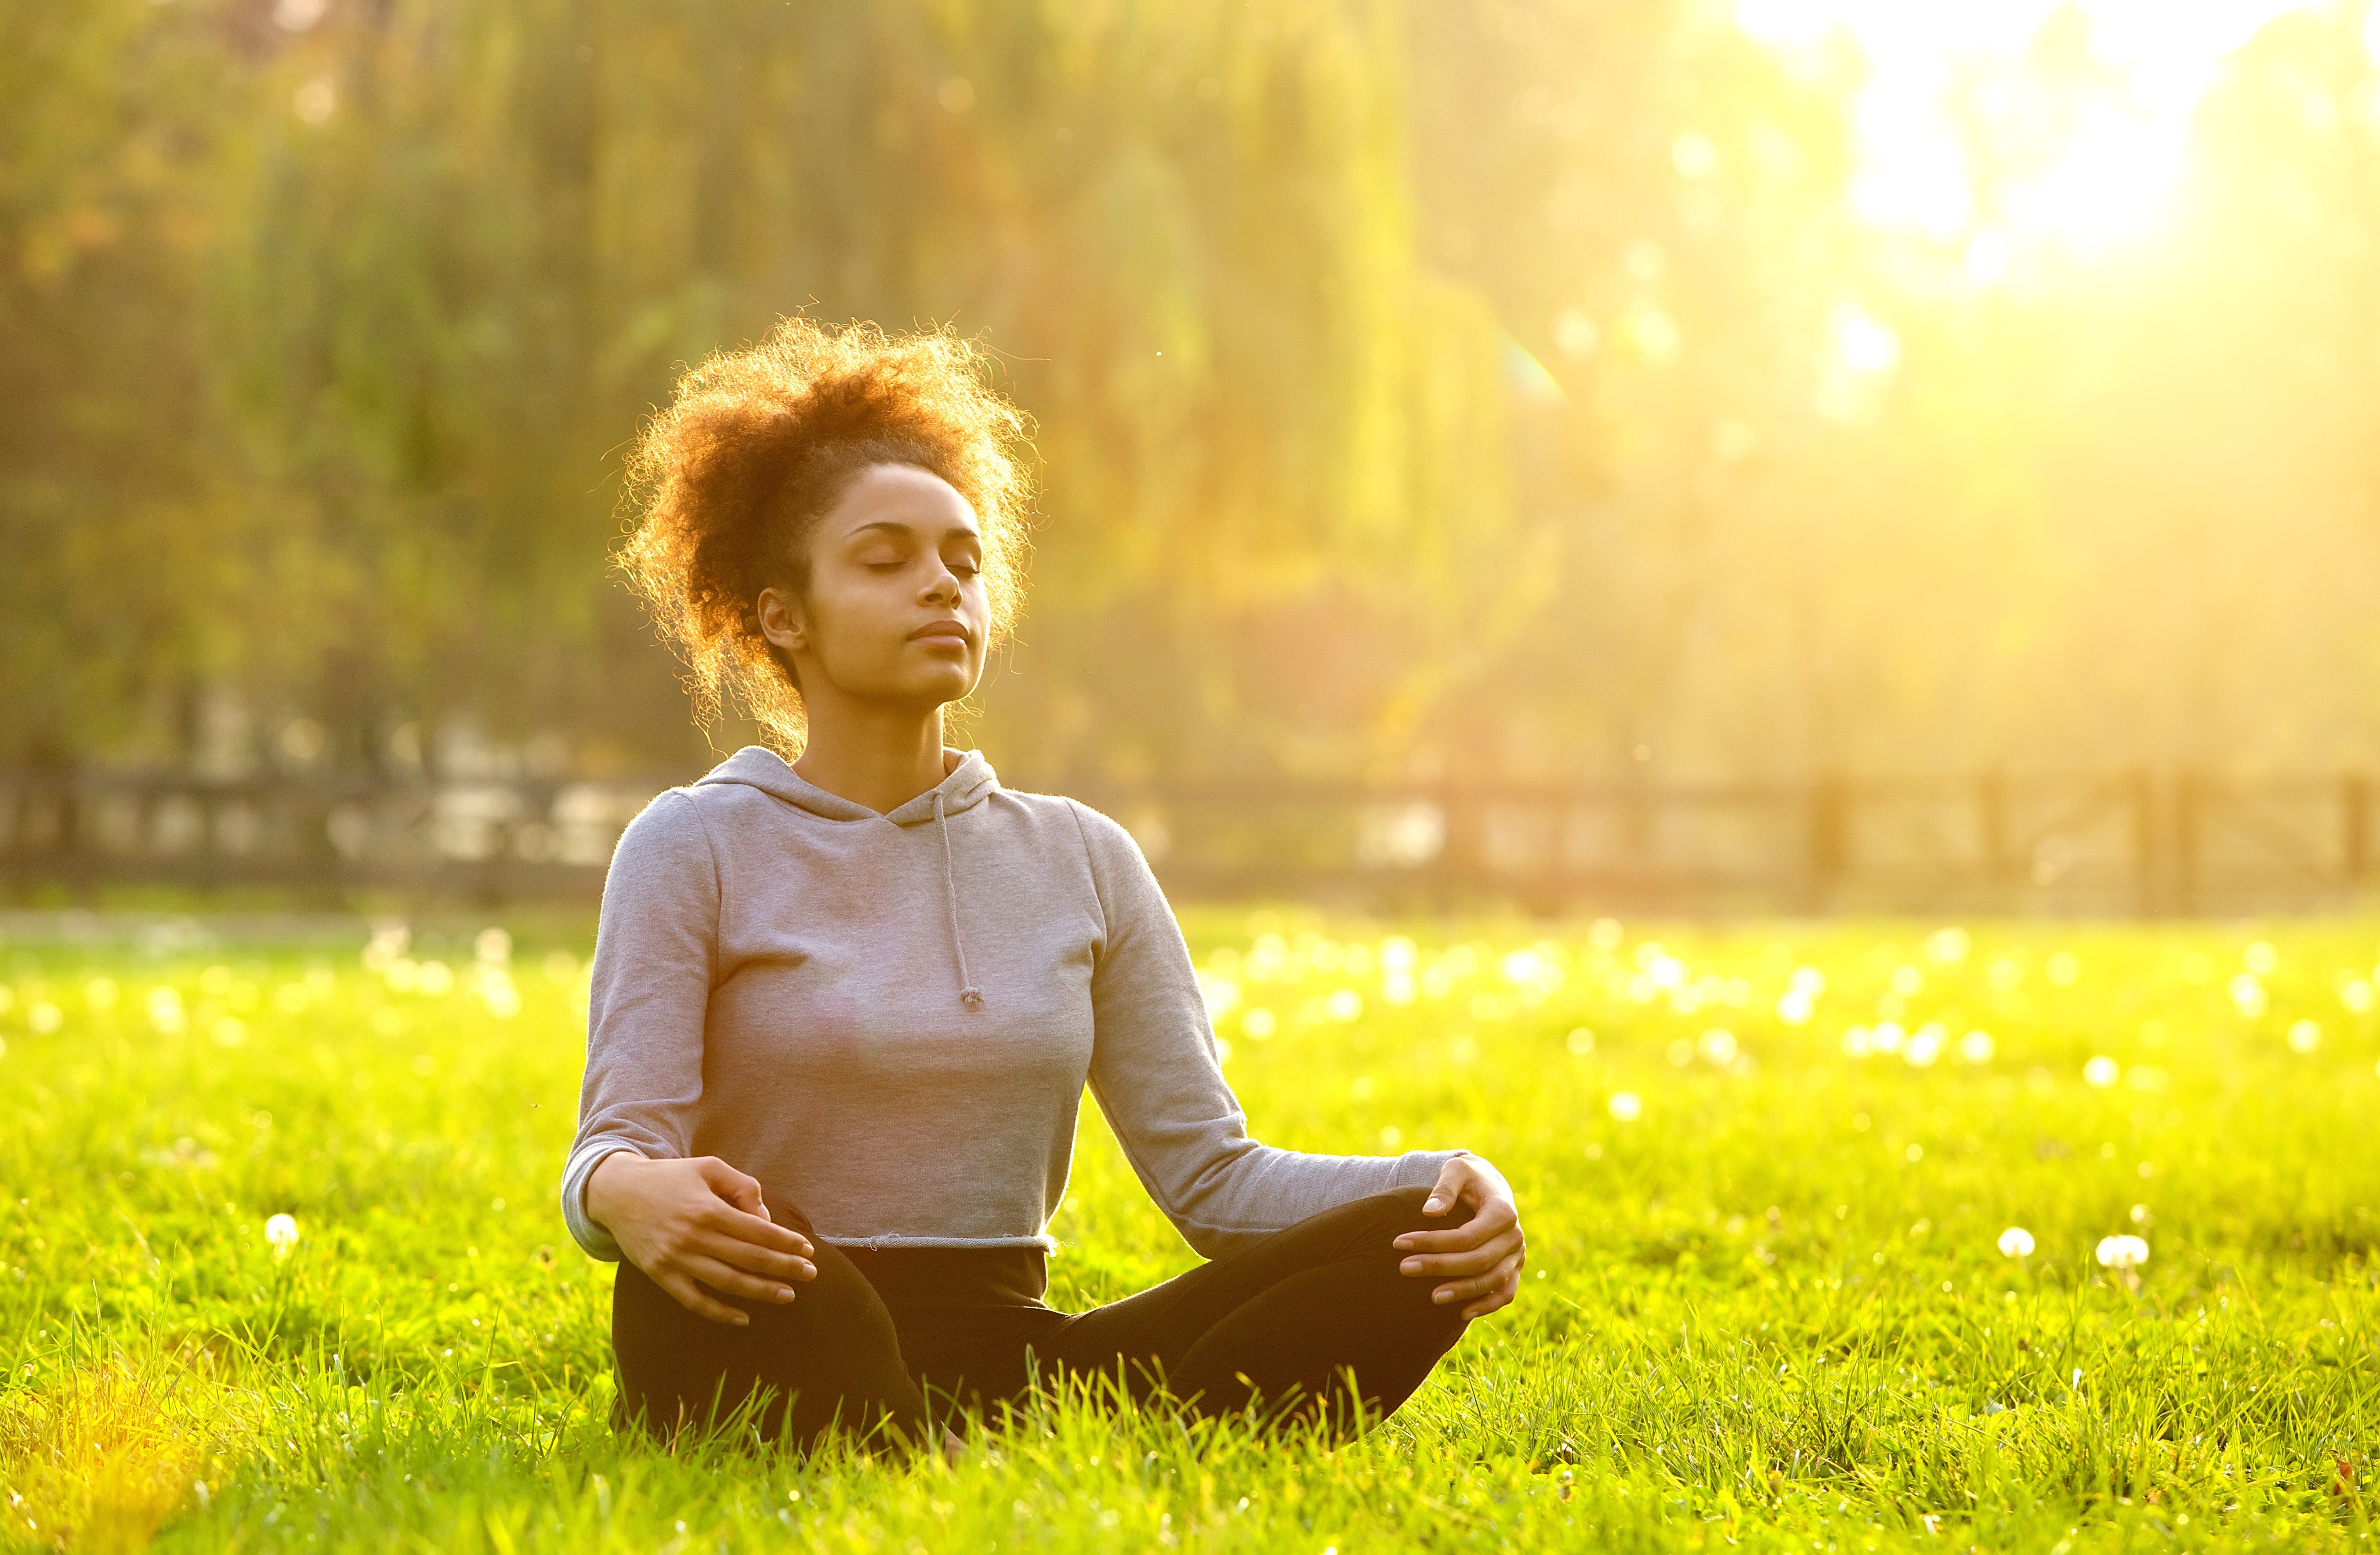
<point>1419,387</point>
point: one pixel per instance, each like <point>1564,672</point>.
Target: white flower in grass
<point>281,1231</point>
<point>2016,1242</point>
<point>2304,1037</point>
<point>2122,1254</point>
<point>2103,1071</point>
<point>1626,1105</point>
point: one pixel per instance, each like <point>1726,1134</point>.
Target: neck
<point>872,755</point>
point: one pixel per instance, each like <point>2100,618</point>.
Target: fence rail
<point>2137,841</point>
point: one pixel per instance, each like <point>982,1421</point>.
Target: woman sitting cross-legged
<point>845,1007</point>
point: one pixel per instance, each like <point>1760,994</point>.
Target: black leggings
<point>891,1340</point>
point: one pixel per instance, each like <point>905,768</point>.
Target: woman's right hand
<point>686,1220</point>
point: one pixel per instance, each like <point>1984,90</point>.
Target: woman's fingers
<point>692,1297</point>
<point>723,1218</point>
<point>730,1281</point>
<point>1468,1260</point>
<point>1489,1220</point>
<point>1501,1296</point>
<point>1505,1271</point>
<point>751,1257</point>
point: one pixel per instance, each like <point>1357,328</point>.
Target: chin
<point>936,691</point>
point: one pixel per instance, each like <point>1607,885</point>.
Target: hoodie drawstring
<point>969,995</point>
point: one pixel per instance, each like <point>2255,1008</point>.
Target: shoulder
<point>671,813</point>
<point>670,828</point>
<point>1107,843</point>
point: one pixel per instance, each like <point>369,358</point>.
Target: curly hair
<point>757,445</point>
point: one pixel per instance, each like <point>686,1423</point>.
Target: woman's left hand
<point>1486,1252</point>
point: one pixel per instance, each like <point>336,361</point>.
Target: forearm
<point>1242,1191</point>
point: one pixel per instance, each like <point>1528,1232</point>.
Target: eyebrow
<point>904,529</point>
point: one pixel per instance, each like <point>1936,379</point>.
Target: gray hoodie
<point>889,1019</point>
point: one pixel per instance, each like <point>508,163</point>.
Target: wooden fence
<point>2130,842</point>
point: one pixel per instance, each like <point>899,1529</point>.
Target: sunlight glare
<point>2093,164</point>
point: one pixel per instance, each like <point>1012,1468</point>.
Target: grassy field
<point>1766,1172</point>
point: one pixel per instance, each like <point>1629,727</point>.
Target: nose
<point>942,584</point>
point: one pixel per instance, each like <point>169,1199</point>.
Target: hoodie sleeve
<point>650,992</point>
<point>1156,1076</point>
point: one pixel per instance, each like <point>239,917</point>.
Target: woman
<point>844,1008</point>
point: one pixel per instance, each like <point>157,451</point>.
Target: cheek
<point>848,616</point>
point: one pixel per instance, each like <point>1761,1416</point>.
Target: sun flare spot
<point>1994,126</point>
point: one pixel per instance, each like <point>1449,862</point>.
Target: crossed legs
<point>1276,1328</point>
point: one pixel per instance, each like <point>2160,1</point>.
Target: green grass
<point>1769,1309</point>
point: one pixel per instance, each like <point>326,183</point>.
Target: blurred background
<point>1804,452</point>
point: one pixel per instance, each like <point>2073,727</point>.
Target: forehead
<point>904,496</point>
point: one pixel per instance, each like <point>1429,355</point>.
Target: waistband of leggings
<point>954,1276</point>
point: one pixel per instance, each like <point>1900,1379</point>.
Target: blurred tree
<point>124,542</point>
<point>1511,385</point>
<point>479,239</point>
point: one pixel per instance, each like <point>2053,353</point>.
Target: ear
<point>782,621</point>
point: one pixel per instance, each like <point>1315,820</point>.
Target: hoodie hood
<point>971,782</point>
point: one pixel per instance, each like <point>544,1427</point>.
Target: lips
<point>942,631</point>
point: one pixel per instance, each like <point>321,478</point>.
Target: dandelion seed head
<point>281,1231</point>
<point>2122,1253</point>
<point>2016,1242</point>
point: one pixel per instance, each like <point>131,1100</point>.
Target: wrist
<point>601,1191</point>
